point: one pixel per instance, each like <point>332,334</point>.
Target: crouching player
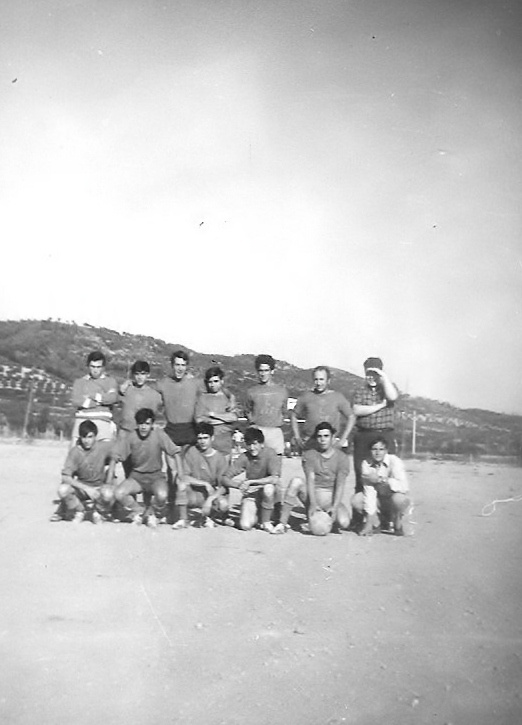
<point>87,477</point>
<point>385,486</point>
<point>202,485</point>
<point>326,469</point>
<point>144,448</point>
<point>256,473</point>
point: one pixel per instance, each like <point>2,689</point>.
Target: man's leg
<point>71,500</point>
<point>160,493</point>
<point>295,491</point>
<point>266,507</point>
<point>125,494</point>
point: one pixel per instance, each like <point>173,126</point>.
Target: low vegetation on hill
<point>39,359</point>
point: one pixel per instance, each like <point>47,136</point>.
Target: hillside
<point>41,358</point>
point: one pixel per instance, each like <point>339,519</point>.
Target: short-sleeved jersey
<point>89,466</point>
<point>209,468</point>
<point>266,405</point>
<point>382,419</point>
<point>133,399</point>
<point>327,470</point>
<point>217,403</point>
<point>146,453</point>
<point>86,388</point>
<point>328,406</point>
<point>267,463</point>
<point>179,398</point>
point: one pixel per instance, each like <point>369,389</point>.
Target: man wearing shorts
<point>87,477</point>
<point>266,404</point>
<point>326,469</point>
<point>179,393</point>
<point>202,486</point>
<point>145,448</point>
<point>256,473</point>
<point>321,405</point>
<point>94,396</point>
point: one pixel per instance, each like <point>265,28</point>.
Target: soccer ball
<point>320,523</point>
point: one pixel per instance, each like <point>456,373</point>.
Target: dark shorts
<point>182,434</point>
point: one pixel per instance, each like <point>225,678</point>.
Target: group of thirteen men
<point>207,456</point>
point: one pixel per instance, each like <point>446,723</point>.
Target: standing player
<point>321,405</point>
<point>217,407</point>
<point>94,396</point>
<point>256,473</point>
<point>145,448</point>
<point>87,477</point>
<point>179,393</point>
<point>373,405</point>
<point>326,470</point>
<point>205,470</point>
<point>266,404</point>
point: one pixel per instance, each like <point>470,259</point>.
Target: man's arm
<point>346,410</point>
<point>389,389</point>
<point>310,490</point>
<point>295,428</point>
<point>397,478</point>
<point>361,410</point>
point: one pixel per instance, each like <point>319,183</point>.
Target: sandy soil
<point>128,625</point>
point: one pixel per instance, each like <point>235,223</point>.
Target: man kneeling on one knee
<point>326,469</point>
<point>256,473</point>
<point>144,448</point>
<point>385,486</point>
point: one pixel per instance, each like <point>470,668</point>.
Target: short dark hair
<point>264,360</point>
<point>378,439</point>
<point>206,429</point>
<point>183,354</point>
<point>143,415</point>
<point>254,435</point>
<point>325,425</point>
<point>96,355</point>
<point>322,367</point>
<point>86,427</point>
<point>140,366</point>
<point>214,372</point>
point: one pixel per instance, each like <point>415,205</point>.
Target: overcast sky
<point>323,181</point>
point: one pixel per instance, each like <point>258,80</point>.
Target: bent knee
<point>64,489</point>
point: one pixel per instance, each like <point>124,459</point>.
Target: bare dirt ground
<point>118,624</point>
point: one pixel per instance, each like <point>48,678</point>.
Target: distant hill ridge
<point>47,355</point>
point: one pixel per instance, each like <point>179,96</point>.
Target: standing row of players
<point>202,464</point>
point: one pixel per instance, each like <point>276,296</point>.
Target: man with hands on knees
<point>326,469</point>
<point>256,473</point>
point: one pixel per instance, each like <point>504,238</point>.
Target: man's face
<point>179,368</point>
<point>87,441</point>
<point>377,452</point>
<point>214,384</point>
<point>140,379</point>
<point>324,439</point>
<point>264,373</point>
<point>320,381</point>
<point>254,448</point>
<point>96,368</point>
<point>204,442</point>
<point>145,428</point>
<point>371,378</point>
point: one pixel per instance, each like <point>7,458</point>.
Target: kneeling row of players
<point>201,477</point>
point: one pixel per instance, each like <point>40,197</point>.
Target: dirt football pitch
<point>121,624</point>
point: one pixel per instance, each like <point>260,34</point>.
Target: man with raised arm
<point>373,405</point>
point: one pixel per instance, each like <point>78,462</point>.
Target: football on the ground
<point>320,523</point>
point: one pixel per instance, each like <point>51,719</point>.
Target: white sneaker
<point>78,517</point>
<point>137,520</point>
<point>180,524</point>
<point>152,521</point>
<point>280,528</point>
<point>209,524</point>
<point>268,527</point>
<point>96,517</point>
